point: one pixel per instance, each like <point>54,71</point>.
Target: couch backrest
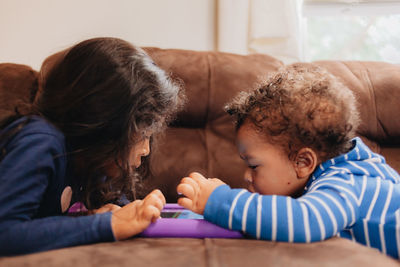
<point>202,137</point>
<point>18,85</point>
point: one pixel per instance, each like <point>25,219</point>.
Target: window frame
<point>316,8</point>
<point>344,8</point>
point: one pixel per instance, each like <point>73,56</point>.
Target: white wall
<point>30,30</point>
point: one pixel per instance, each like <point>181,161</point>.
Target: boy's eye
<point>253,167</point>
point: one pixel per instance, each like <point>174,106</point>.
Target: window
<point>352,30</point>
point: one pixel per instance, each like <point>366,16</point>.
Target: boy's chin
<point>250,188</point>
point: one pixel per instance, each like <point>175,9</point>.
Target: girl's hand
<point>196,189</point>
<point>133,218</point>
<point>105,208</point>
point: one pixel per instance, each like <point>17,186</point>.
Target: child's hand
<point>196,189</point>
<point>133,218</point>
<point>105,208</point>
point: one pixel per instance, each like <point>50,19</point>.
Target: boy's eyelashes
<point>246,159</point>
<point>253,167</point>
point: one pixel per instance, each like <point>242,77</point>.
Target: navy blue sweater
<point>33,176</point>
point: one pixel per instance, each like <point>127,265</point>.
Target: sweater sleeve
<point>315,216</point>
<point>54,232</point>
<point>32,164</point>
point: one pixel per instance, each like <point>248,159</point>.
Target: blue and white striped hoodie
<point>355,195</point>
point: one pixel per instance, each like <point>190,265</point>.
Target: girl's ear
<point>305,162</point>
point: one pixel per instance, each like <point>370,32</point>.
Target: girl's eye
<point>253,167</point>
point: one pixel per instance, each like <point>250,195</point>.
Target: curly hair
<point>105,95</point>
<point>301,105</point>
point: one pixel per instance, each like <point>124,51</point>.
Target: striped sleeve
<point>313,217</point>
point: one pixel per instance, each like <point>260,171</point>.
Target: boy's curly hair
<point>299,106</point>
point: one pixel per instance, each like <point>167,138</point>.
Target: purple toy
<point>177,221</point>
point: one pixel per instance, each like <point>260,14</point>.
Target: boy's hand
<point>133,218</point>
<point>196,189</point>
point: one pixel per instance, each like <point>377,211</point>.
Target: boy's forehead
<point>247,132</point>
<point>241,147</point>
<point>246,139</point>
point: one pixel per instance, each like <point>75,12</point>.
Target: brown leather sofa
<point>202,139</point>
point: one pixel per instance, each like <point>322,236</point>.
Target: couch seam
<point>373,96</point>
<point>210,254</point>
<point>370,90</point>
<point>207,125</point>
<point>379,124</point>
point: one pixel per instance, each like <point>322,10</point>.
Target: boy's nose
<point>247,176</point>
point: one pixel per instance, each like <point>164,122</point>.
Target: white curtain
<point>273,27</point>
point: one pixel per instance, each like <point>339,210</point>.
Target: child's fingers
<point>138,202</point>
<point>160,195</point>
<point>191,182</point>
<point>154,200</point>
<point>186,203</point>
<point>198,177</point>
<point>186,190</point>
<point>151,213</point>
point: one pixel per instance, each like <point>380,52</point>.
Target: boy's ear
<point>305,162</point>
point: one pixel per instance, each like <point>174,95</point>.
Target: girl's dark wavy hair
<point>301,105</point>
<point>105,95</point>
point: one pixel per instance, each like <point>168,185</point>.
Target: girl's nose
<point>247,176</point>
<point>146,148</point>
